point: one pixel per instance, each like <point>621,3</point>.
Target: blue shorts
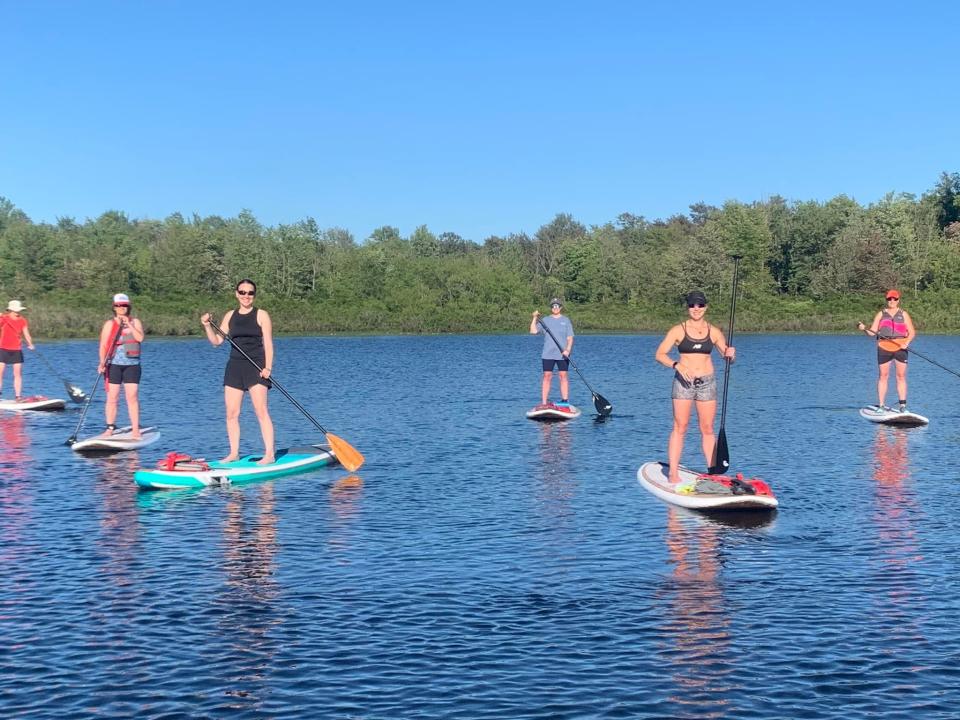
<point>548,365</point>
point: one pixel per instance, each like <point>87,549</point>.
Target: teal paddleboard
<point>196,473</point>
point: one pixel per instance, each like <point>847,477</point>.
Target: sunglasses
<point>892,298</point>
<point>121,305</point>
<point>251,293</point>
<point>696,305</point>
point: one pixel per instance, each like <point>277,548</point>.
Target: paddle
<point>86,406</point>
<point>721,454</point>
<point>908,349</point>
<point>75,393</point>
<point>348,456</point>
<point>602,405</point>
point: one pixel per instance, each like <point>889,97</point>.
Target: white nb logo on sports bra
<point>698,346</point>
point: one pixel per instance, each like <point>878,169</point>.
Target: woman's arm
<point>266,326</point>
<point>720,342</point>
<point>666,345</point>
<point>136,329</point>
<point>911,330</point>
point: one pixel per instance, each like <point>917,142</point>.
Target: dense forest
<point>808,266</point>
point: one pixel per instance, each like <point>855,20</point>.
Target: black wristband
<point>674,366</point>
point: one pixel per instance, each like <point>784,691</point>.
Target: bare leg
<point>130,392</point>
<point>110,407</point>
<point>882,383</point>
<point>232,398</point>
<point>18,379</point>
<point>901,368</point>
<point>545,386</point>
<point>258,394</point>
<point>564,385</point>
<point>706,412</point>
<point>3,367</point>
<point>681,418</point>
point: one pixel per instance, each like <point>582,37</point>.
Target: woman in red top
<point>12,326</point>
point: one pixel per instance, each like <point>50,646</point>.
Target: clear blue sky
<point>478,118</point>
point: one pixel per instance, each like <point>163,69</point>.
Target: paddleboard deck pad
<point>889,416</point>
<point>700,491</point>
<point>177,471</point>
<point>34,402</point>
<point>550,412</point>
<point>118,442</point>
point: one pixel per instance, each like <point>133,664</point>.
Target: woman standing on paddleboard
<point>554,355</point>
<point>894,331</point>
<point>251,329</point>
<point>120,340</point>
<point>12,326</point>
<point>693,378</point>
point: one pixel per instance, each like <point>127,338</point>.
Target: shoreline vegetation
<point>808,267</point>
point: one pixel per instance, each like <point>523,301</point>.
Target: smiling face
<point>555,309</point>
<point>696,310</point>
<point>246,292</point>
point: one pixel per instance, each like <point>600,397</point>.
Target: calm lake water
<point>481,565</point>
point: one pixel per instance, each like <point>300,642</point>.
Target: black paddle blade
<point>721,456</point>
<point>75,393</point>
<point>602,405</point>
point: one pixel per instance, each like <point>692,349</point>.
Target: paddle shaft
<point>911,350</point>
<point>86,406</point>
<point>563,350</point>
<point>72,390</point>
<point>276,383</point>
<point>733,313</point>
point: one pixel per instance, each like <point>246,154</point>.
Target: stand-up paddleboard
<point>180,471</point>
<point>551,412</point>
<point>119,441</point>
<point>34,402</point>
<point>706,492</point>
<point>889,416</point>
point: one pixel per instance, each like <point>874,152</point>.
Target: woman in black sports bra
<point>251,329</point>
<point>693,377</point>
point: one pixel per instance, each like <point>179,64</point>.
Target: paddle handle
<point>274,381</point>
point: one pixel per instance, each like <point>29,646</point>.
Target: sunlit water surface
<point>481,565</point>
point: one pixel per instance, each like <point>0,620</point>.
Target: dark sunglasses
<point>892,298</point>
<point>251,293</point>
<point>121,305</point>
<point>696,305</point>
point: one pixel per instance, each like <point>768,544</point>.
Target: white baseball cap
<point>121,298</point>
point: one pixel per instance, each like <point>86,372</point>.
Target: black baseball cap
<point>696,296</point>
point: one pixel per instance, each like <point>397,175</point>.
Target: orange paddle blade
<point>890,345</point>
<point>348,455</point>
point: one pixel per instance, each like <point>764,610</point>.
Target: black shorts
<point>242,375</point>
<point>11,357</point>
<point>548,365</point>
<point>123,374</point>
<point>885,356</point>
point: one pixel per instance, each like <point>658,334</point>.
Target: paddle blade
<point>602,405</point>
<point>75,393</point>
<point>721,455</point>
<point>348,455</point>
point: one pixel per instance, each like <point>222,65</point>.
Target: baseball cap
<point>556,301</point>
<point>120,298</point>
<point>893,294</point>
<point>696,296</point>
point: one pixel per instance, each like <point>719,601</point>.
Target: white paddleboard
<point>552,412</point>
<point>119,441</point>
<point>35,402</point>
<point>653,477</point>
<point>889,416</point>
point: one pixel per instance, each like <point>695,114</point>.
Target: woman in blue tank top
<point>120,340</point>
<point>693,377</point>
<point>251,329</point>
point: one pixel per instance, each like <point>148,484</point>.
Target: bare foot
<point>266,460</point>
<point>136,435</point>
<point>674,480</point>
<point>233,457</point>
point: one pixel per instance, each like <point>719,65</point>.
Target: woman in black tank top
<point>251,329</point>
<point>694,382</point>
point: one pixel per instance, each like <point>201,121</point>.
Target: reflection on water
<point>557,486</point>
<point>16,491</point>
<point>697,622</point>
<point>345,496</point>
<point>895,515</point>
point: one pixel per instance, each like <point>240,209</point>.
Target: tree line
<point>807,266</point>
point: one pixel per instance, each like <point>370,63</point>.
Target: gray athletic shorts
<point>701,388</point>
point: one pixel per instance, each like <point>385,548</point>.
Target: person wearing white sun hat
<point>12,326</point>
